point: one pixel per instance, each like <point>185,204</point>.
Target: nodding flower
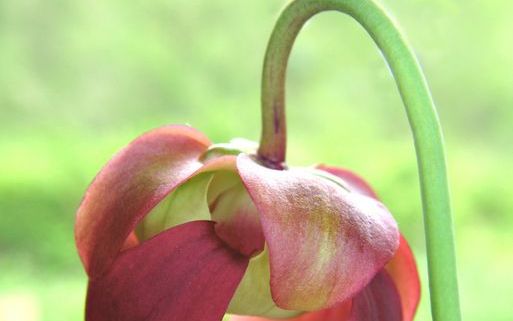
<point>174,228</point>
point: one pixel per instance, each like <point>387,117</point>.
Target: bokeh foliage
<point>80,79</point>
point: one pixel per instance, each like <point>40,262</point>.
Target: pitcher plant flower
<point>177,228</point>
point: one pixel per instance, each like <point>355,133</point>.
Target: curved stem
<point>421,115</point>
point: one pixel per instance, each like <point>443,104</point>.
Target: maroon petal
<point>129,186</point>
<point>379,301</point>
<point>184,273</point>
<point>325,243</point>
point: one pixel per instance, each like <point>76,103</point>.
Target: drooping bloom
<point>175,228</point>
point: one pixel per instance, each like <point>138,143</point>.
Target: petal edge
<point>129,186</point>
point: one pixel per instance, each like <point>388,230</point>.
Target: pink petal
<point>325,244</point>
<point>184,273</point>
<point>402,268</point>
<point>129,186</point>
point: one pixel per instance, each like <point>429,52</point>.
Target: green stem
<point>421,114</point>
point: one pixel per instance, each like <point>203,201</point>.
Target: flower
<point>175,228</point>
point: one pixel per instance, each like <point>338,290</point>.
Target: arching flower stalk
<point>177,228</point>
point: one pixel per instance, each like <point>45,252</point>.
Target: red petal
<point>403,270</point>
<point>355,182</point>
<point>184,273</point>
<point>325,244</point>
<point>379,301</point>
<point>129,186</point>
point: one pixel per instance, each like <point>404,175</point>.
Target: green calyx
<point>235,147</point>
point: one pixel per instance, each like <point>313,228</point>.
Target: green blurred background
<point>80,79</point>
